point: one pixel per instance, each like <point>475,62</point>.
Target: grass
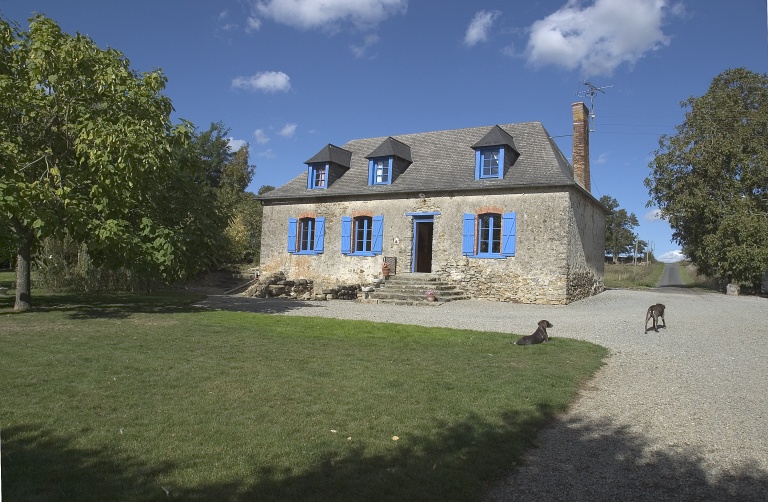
<point>694,280</point>
<point>632,277</point>
<point>147,398</point>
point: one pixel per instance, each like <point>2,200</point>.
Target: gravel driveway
<point>677,415</point>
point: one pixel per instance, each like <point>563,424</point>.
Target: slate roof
<point>389,147</point>
<point>443,161</point>
<point>331,153</point>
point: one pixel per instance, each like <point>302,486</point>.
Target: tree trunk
<point>23,267</point>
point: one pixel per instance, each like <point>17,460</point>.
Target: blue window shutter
<point>501,162</point>
<point>371,172</point>
<point>293,224</point>
<point>378,234</point>
<point>346,234</point>
<point>478,164</point>
<point>468,240</point>
<point>310,177</point>
<point>319,234</point>
<point>508,229</point>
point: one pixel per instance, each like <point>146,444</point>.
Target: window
<point>489,235</point>
<point>489,163</point>
<point>362,235</point>
<point>317,176</point>
<point>306,235</point>
<point>380,171</point>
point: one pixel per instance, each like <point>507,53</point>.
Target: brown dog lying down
<point>655,312</point>
<point>538,336</point>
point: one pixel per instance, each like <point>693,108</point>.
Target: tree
<point>619,238</point>
<point>710,179</point>
<point>87,148</point>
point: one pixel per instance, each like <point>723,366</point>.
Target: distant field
<point>631,276</point>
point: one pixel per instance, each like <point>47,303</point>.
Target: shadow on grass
<point>107,306</point>
<point>43,466</point>
<point>459,463</point>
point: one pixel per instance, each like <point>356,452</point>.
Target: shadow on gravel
<point>603,462</point>
<point>249,304</point>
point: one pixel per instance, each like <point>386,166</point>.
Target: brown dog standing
<point>655,312</point>
<point>538,336</point>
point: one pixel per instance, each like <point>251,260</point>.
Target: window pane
<point>306,234</point>
<point>319,176</point>
<point>363,233</point>
<point>490,163</point>
<point>382,170</point>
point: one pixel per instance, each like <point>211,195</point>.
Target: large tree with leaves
<point>710,179</point>
<point>619,236</point>
<point>87,147</point>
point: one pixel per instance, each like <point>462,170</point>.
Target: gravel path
<point>677,415</point>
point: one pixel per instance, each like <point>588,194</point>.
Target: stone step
<point>410,289</point>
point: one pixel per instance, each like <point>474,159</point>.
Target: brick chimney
<point>580,158</point>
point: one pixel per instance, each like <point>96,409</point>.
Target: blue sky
<point>290,76</point>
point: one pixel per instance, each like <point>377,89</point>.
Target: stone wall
<point>559,244</point>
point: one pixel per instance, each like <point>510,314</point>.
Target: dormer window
<point>387,161</point>
<point>380,170</point>
<point>494,154</point>
<point>327,166</point>
<point>317,177</point>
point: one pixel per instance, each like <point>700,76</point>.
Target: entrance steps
<point>411,289</point>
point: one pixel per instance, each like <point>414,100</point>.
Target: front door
<point>422,246</point>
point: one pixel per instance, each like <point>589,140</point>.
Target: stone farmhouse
<point>497,211</point>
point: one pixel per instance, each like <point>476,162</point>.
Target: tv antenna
<point>591,92</point>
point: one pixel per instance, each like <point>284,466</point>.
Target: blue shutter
<point>501,161</point>
<point>371,172</point>
<point>508,231</point>
<point>378,234</point>
<point>478,164</point>
<point>310,177</point>
<point>293,223</point>
<point>319,234</point>
<point>346,234</point>
<point>468,241</point>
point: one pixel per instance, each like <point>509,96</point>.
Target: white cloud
<point>599,37</point>
<point>267,154</point>
<point>480,26</point>
<point>236,144</point>
<point>329,14</point>
<point>654,215</point>
<point>266,81</point>
<point>368,42</point>
<point>252,24</point>
<point>672,256</point>
<point>288,130</point>
<point>261,136</point>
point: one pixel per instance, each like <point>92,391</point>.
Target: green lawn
<point>147,398</point>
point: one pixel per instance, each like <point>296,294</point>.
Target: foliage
<point>710,179</point>
<point>65,265</point>
<point>619,238</point>
<point>280,407</point>
<point>88,148</point>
